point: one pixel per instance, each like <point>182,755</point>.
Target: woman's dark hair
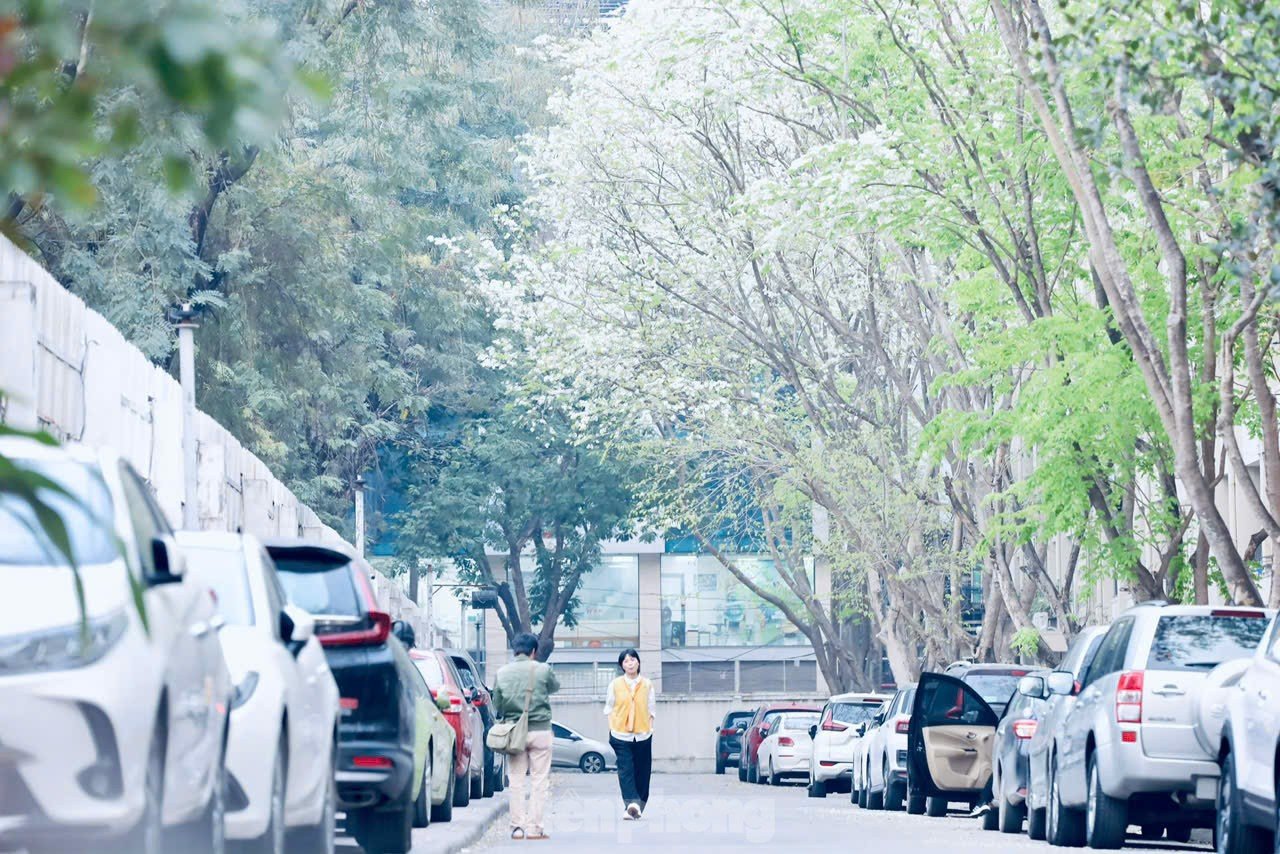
<point>524,644</point>
<point>627,653</point>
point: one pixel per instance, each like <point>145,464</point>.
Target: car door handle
<point>971,735</point>
<point>1169,691</point>
<point>200,629</point>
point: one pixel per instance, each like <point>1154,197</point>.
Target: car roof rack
<point>1152,603</point>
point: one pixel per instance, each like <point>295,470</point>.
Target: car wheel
<point>1011,816</point>
<point>1234,835</point>
<point>875,800</point>
<point>935,807</point>
<point>477,780</point>
<point>863,798</point>
<point>499,773</point>
<point>591,763</point>
<point>742,773</point>
<point>895,794</point>
<point>319,838</point>
<point>272,840</point>
<point>387,831</point>
<point>818,789</point>
<point>991,818</point>
<point>207,833</point>
<point>1036,824</point>
<point>487,776</point>
<point>1064,826</point>
<point>422,804</point>
<point>1182,833</point>
<point>461,790</point>
<point>774,779</point>
<point>1106,818</point>
<point>443,811</point>
<point>915,803</point>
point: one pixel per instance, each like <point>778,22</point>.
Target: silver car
<point>1130,750</point>
<point>1063,685</point>
<point>571,749</point>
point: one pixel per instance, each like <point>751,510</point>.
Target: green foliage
<point>1025,642</point>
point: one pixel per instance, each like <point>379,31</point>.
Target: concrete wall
<point>684,727</point>
<point>66,369</point>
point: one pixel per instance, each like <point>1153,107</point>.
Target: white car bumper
<point>251,750</point>
<point>74,744</point>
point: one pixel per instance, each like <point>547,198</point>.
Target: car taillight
<point>348,704</point>
<point>376,634</point>
<point>835,726</point>
<point>785,741</point>
<point>1237,612</point>
<point>1129,697</point>
<point>1025,729</point>
<point>371,762</point>
<point>903,725</point>
<point>728,730</point>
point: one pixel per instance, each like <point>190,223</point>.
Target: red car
<point>463,714</point>
<point>755,732</point>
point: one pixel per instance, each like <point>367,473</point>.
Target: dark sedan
<point>1011,768</point>
<point>729,740</point>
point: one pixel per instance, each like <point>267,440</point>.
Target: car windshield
<point>87,518</point>
<point>798,722</point>
<point>431,670</point>
<point>993,687</point>
<point>854,713</point>
<point>738,720</point>
<point>1202,642</point>
<point>319,590</point>
<point>223,571</point>
<point>465,676</point>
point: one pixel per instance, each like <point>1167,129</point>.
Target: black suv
<point>380,688</point>
<point>729,741</point>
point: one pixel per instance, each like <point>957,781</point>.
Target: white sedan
<point>787,747</point>
<point>285,709</point>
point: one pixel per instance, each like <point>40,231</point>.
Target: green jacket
<point>509,688</point>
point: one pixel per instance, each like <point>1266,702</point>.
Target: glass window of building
<point>608,613</point>
<point>703,604</point>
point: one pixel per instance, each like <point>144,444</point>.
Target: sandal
<point>519,830</point>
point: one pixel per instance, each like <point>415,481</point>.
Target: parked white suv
<point>1247,791</point>
<point>844,719</point>
<point>884,774</point>
<point>112,729</point>
<point>1130,750</point>
<point>284,712</point>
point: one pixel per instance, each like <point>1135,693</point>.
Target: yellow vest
<point>630,707</point>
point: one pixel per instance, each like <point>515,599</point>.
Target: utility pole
<point>185,317</point>
<point>431,626</point>
<point>359,490</point>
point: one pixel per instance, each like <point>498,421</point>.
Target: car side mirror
<point>860,729</point>
<point>1032,686</point>
<point>296,625</point>
<point>813,730</point>
<point>404,633</point>
<point>168,560</point>
<point>1060,683</point>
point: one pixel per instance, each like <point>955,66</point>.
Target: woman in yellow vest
<point>629,706</point>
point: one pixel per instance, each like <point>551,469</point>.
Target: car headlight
<point>63,648</point>
<point>245,689</point>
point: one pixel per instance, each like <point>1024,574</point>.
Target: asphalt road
<point>707,813</point>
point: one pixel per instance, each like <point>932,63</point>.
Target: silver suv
<point>1128,752</point>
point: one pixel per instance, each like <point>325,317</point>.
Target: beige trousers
<point>536,761</point>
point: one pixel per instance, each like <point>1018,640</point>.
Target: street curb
<point>495,808</point>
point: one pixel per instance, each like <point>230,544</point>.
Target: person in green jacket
<point>511,686</point>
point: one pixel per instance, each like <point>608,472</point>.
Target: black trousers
<point>635,763</point>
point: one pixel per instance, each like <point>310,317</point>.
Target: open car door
<point>950,739</point>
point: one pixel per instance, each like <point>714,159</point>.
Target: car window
<point>560,732</point>
<point>88,519</point>
<point>1110,657</point>
<point>738,720</point>
<point>797,722</point>
<point>276,597</point>
<point>1203,641</point>
<point>1090,655</point>
<point>466,678</point>
<point>417,684</point>
<point>993,687</point>
<point>906,699</point>
<point>326,591</point>
<point>223,571</point>
<point>145,525</point>
<point>770,717</point>
<point>853,713</point>
<point>946,702</point>
<point>431,671</point>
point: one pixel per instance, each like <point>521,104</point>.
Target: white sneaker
<point>633,811</point>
